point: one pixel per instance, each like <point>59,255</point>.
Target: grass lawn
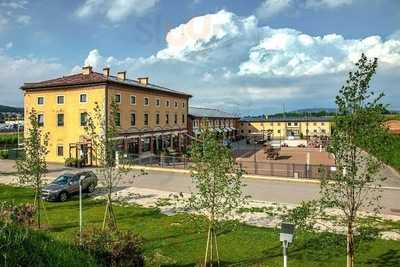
<point>176,238</point>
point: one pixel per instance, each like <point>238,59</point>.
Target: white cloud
<point>269,8</point>
<point>15,4</point>
<point>327,3</point>
<point>13,12</point>
<point>14,71</point>
<point>287,52</point>
<point>9,45</point>
<point>116,10</point>
<point>24,19</point>
<point>229,61</point>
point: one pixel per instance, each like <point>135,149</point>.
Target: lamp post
<point>286,237</point>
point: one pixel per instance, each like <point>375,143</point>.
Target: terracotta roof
<point>393,126</point>
<point>94,78</point>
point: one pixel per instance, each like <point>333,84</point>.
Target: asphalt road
<point>266,190</point>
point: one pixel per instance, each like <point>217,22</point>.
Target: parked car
<point>301,145</point>
<point>67,185</point>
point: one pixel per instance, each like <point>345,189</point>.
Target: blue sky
<point>247,57</point>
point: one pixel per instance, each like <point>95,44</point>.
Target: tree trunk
<point>350,245</point>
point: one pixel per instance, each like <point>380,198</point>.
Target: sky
<point>247,57</point>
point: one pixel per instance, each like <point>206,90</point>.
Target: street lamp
<point>286,237</point>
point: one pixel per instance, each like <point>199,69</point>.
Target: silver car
<point>67,185</point>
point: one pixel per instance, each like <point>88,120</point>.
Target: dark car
<point>67,185</point>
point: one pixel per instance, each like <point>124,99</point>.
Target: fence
<point>250,167</point>
<point>12,153</point>
<point>287,169</point>
<point>181,162</point>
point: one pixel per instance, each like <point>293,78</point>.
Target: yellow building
<point>152,118</point>
<point>283,128</point>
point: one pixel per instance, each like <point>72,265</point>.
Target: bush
<point>73,162</point>
<point>114,248</point>
<point>4,154</point>
<point>20,214</point>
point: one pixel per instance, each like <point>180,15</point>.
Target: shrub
<point>20,214</point>
<point>4,154</point>
<point>114,248</point>
<point>70,162</point>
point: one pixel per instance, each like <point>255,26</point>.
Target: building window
<point>83,98</point>
<point>242,131</point>
<point>60,150</point>
<point>133,119</point>
<point>146,119</point>
<point>60,99</point>
<point>166,118</point>
<point>158,102</point>
<point>146,101</point>
<point>322,124</point>
<point>279,124</point>
<point>133,100</point>
<point>315,124</point>
<point>323,131</point>
<point>84,118</point>
<point>176,118</point>
<point>289,124</point>
<point>279,131</point>
<point>117,99</point>
<point>315,131</point>
<point>117,119</point>
<point>60,120</point>
<point>158,118</point>
<point>40,119</point>
<point>183,104</point>
<point>176,104</point>
<point>167,103</point>
<point>40,100</point>
<point>183,118</point>
<point>295,124</point>
<point>249,131</point>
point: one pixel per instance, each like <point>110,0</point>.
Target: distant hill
<point>4,109</point>
<point>310,112</point>
<point>315,110</point>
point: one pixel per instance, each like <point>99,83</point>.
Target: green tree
<point>355,186</point>
<point>358,125</point>
<point>103,129</point>
<point>33,167</point>
<point>218,193</point>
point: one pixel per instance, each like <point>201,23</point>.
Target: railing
<point>12,153</point>
<point>250,167</point>
<point>181,162</point>
<point>287,169</point>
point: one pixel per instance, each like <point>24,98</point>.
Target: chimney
<point>106,72</point>
<point>144,80</point>
<point>121,75</point>
<point>86,70</point>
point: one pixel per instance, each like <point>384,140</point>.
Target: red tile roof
<point>94,78</point>
<point>75,79</point>
<point>393,126</point>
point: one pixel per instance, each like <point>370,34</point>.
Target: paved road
<point>267,190</point>
<point>273,191</point>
